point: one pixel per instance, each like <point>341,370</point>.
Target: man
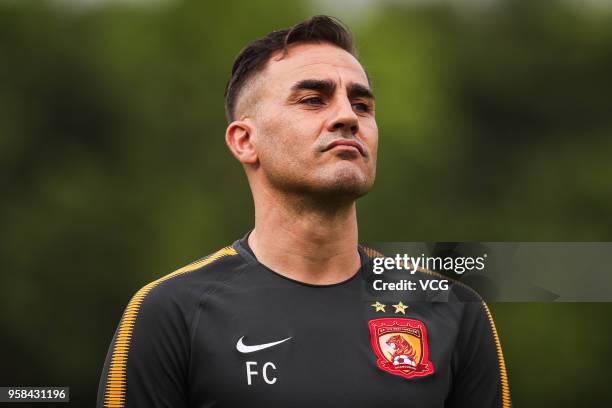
<point>284,316</point>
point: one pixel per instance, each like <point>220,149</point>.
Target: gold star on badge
<point>400,308</point>
<point>379,306</point>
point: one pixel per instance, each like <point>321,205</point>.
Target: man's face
<point>315,130</point>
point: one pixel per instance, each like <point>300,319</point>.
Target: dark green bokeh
<point>494,122</point>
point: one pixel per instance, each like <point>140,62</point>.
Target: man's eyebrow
<point>322,85</point>
<point>356,90</point>
<point>327,86</point>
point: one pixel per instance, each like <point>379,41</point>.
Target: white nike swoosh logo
<point>243,348</point>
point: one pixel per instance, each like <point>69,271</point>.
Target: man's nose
<point>344,118</point>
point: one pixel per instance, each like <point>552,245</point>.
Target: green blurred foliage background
<point>495,125</point>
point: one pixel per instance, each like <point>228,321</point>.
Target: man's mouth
<point>346,144</point>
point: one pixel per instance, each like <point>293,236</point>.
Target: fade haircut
<point>254,57</point>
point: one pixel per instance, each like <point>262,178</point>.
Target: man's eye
<point>361,107</point>
<point>313,101</point>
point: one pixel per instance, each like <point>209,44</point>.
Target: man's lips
<point>345,142</point>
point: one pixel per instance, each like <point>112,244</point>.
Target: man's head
<point>301,113</point>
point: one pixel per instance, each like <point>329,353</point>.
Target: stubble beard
<point>328,188</point>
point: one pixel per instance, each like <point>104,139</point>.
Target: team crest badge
<point>401,346</point>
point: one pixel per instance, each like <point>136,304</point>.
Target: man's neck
<point>307,243</point>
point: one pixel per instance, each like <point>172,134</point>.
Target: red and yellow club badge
<point>401,346</point>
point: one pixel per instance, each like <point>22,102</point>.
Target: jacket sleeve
<point>147,361</point>
<point>479,372</point>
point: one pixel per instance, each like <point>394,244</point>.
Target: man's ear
<point>238,138</point>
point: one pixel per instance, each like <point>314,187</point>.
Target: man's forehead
<point>319,61</point>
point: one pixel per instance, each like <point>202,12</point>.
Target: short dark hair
<point>253,58</point>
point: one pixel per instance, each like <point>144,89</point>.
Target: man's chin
<point>342,184</point>
<point>346,184</point>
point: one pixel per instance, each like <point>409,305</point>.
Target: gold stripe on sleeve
<point>114,395</point>
<point>502,363</point>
